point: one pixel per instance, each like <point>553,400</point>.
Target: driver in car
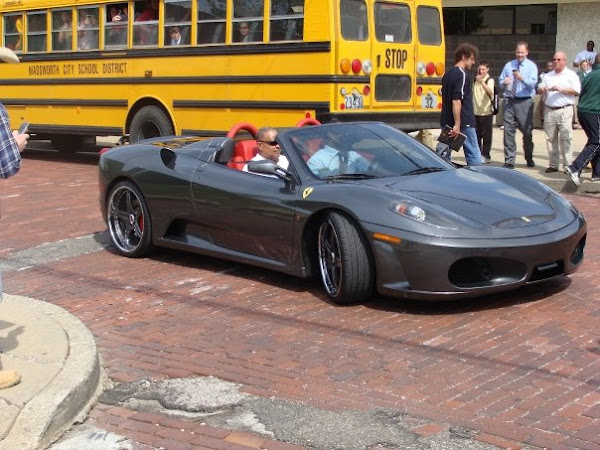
<point>329,161</point>
<point>268,148</point>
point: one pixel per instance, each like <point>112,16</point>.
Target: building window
<point>535,19</point>
<point>501,20</point>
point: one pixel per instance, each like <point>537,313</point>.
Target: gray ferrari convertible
<point>363,206</point>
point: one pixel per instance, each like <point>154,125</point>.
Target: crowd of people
<point>468,107</point>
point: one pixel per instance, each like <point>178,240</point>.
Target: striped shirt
<point>10,157</point>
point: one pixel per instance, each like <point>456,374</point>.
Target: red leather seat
<point>244,152</point>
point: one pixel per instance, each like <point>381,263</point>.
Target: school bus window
<point>353,15</point>
<point>178,16</point>
<point>62,29</point>
<point>428,25</point>
<point>115,27</point>
<point>87,29</point>
<point>13,32</point>
<point>392,23</point>
<point>287,20</point>
<point>145,24</point>
<point>36,31</point>
<point>250,14</point>
<point>211,21</point>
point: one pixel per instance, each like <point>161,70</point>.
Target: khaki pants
<point>558,126</point>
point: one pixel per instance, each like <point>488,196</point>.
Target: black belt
<point>519,98</point>
<point>554,108</point>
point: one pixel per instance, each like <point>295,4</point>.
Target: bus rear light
<point>343,106</point>
<point>367,66</point>
<point>440,105</point>
<point>419,91</point>
<point>430,69</point>
<point>343,91</point>
<point>366,90</point>
<point>440,91</point>
<point>421,69</point>
<point>345,65</point>
<point>356,66</point>
<point>439,69</point>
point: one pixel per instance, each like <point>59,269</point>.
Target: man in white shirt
<point>559,87</point>
<point>588,54</point>
<point>268,148</point>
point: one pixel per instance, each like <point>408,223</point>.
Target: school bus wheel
<point>149,122</point>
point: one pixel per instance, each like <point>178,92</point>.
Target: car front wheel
<point>129,220</point>
<point>344,263</point>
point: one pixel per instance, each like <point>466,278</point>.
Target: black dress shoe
<point>530,163</point>
<point>551,170</point>
<point>508,166</point>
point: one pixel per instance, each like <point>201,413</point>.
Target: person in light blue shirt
<point>518,79</point>
<point>328,161</point>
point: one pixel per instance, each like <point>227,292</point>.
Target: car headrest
<point>224,155</point>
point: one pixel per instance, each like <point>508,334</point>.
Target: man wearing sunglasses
<point>559,88</point>
<point>268,148</point>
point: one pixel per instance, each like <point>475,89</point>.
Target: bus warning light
<point>421,69</point>
<point>367,66</point>
<point>430,68</point>
<point>345,65</point>
<point>356,66</point>
<point>439,69</point>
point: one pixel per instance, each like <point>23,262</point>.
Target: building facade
<point>495,27</point>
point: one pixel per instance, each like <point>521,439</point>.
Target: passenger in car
<point>268,148</point>
<point>333,159</point>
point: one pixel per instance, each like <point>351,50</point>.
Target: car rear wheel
<point>129,223</point>
<point>150,122</point>
<point>344,263</point>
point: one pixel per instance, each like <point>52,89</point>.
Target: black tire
<point>345,265</point>
<point>150,122</point>
<point>72,144</point>
<point>129,223</point>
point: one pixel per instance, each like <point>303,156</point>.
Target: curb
<point>69,396</point>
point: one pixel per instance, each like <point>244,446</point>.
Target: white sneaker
<point>574,176</point>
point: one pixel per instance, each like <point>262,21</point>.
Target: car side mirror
<point>268,167</point>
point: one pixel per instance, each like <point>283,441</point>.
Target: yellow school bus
<point>147,68</point>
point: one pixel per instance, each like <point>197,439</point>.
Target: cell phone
<point>23,128</point>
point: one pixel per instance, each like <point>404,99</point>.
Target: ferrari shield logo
<point>307,192</point>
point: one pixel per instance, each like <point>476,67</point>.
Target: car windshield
<point>364,150</point>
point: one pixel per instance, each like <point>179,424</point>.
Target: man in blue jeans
<point>457,102</point>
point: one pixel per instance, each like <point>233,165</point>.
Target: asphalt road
<point>189,341</point>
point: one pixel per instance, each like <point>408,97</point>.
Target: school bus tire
<point>150,121</point>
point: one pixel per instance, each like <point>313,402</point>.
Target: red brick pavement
<point>520,367</point>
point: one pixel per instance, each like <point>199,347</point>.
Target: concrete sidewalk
<point>58,361</point>
<point>557,180</point>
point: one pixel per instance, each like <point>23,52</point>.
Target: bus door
<point>430,55</point>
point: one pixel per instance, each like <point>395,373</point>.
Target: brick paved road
<point>519,368</point>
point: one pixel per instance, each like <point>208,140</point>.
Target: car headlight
<point>422,215</point>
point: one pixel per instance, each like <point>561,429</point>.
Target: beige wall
<point>577,23</point>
